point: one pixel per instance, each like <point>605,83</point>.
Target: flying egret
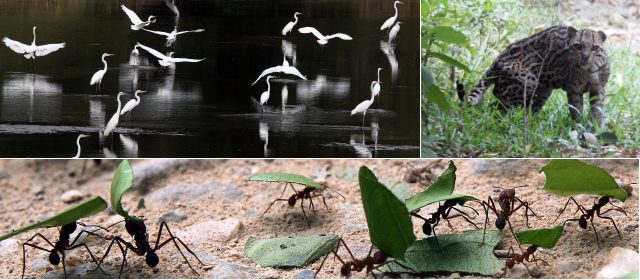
<point>133,57</point>
<point>78,144</point>
<point>166,61</point>
<point>287,28</point>
<point>375,86</point>
<point>113,122</point>
<point>171,37</point>
<point>321,38</point>
<point>132,103</point>
<point>171,4</point>
<point>392,19</point>
<point>97,77</point>
<point>284,68</point>
<point>264,97</point>
<point>137,22</point>
<point>394,31</point>
<point>363,106</point>
<point>31,51</point>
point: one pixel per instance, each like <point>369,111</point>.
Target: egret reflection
<point>389,50</point>
<point>25,93</point>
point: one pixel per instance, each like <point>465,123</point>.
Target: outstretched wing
<point>15,45</point>
<point>132,15</point>
<point>305,30</point>
<point>177,59</point>
<point>153,52</point>
<point>268,71</point>
<point>197,30</point>
<point>293,71</point>
<point>47,49</point>
<point>156,32</point>
<point>340,35</point>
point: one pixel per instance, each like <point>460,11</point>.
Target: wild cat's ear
<point>572,31</point>
<point>602,36</point>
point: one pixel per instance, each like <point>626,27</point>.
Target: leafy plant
<point>541,237</point>
<point>390,227</point>
<point>282,177</point>
<point>292,251</point>
<point>121,183</point>
<point>82,210</point>
<point>566,177</point>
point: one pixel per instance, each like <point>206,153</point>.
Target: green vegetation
<point>459,35</point>
<point>566,177</point>
<point>281,177</point>
<point>293,251</point>
<point>121,183</point>
<point>541,237</point>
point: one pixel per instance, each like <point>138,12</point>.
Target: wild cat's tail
<point>476,94</point>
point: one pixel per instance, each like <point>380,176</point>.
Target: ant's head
<point>500,223</point>
<point>510,263</point>
<point>345,270</point>
<point>426,228</point>
<point>134,227</point>
<point>532,249</point>
<point>152,259</point>
<point>603,200</point>
<point>379,257</point>
<point>507,194</point>
<point>292,200</point>
<point>582,222</point>
<point>54,259</point>
<point>68,229</point>
<point>451,203</point>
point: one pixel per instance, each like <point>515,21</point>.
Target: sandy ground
<point>32,189</point>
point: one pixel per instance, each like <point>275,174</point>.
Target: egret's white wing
<point>47,49</point>
<point>132,15</point>
<point>340,35</point>
<point>315,32</point>
<point>362,107</point>
<point>287,28</point>
<point>293,71</point>
<point>153,52</point>
<point>15,45</point>
<point>388,23</point>
<point>178,59</point>
<point>196,30</point>
<point>157,32</point>
<point>96,77</point>
<point>268,71</point>
<point>128,107</point>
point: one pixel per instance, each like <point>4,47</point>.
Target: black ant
<point>443,212</point>
<point>306,193</point>
<point>507,200</point>
<point>369,263</point>
<point>588,214</point>
<point>527,255</point>
<point>61,246</point>
<point>142,247</point>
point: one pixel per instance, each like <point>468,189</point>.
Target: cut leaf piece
<point>390,227</point>
<point>290,251</point>
<point>567,177</point>
<point>287,178</point>
<point>82,210</point>
<point>443,186</point>
<point>415,205</point>
<point>121,183</point>
<point>463,252</point>
<point>541,237</point>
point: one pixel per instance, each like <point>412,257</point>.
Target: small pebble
<point>621,261</point>
<point>211,231</point>
<point>72,196</point>
<point>305,274</point>
<point>174,216</point>
<point>455,275</point>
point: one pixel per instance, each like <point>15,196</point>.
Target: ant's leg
<point>304,213</point>
<point>90,254</point>
<point>294,189</point>
<point>323,201</point>
<point>118,241</point>
<point>594,230</point>
<point>323,260</point>
<point>526,210</point>
<point>311,206</point>
<point>283,190</point>
<point>265,211</point>
<point>613,209</point>
<point>80,234</point>
<point>532,258</point>
<point>617,208</point>
<point>418,216</point>
<point>474,210</point>
<point>462,214</point>
<point>562,211</point>
<point>514,236</point>
<point>435,236</point>
<point>612,221</point>
<point>24,251</point>
<point>173,238</point>
<point>486,220</point>
<point>64,265</point>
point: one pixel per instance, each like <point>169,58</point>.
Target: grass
<point>482,131</point>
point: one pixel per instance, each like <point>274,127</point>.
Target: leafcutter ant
<point>527,255</point>
<point>443,212</point>
<point>507,202</point>
<point>589,214</point>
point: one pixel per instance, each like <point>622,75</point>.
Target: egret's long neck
<point>378,75</point>
<point>372,97</point>
<point>34,37</point>
<point>105,63</point>
<point>395,6</point>
<point>296,17</point>
<point>78,144</point>
<point>118,113</point>
<point>268,85</point>
<point>137,97</point>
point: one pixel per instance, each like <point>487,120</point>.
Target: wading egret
<point>363,106</point>
<point>31,51</point>
<point>284,68</point>
<point>167,60</point>
<point>113,122</point>
<point>394,31</point>
<point>78,144</point>
<point>392,19</point>
<point>264,97</point>
<point>171,4</point>
<point>97,77</point>
<point>133,57</point>
<point>132,103</point>
<point>321,38</point>
<point>287,28</point>
<point>137,22</point>
<point>375,85</point>
<point>171,37</point>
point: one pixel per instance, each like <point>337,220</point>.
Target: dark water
<point>209,109</point>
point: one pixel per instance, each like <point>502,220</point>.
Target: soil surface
<point>192,194</point>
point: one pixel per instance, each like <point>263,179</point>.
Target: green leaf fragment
<point>390,226</point>
<point>567,177</point>
<point>121,183</point>
<point>287,178</point>
<point>443,186</point>
<point>82,210</point>
<point>541,237</point>
<point>290,251</point>
<point>463,253</point>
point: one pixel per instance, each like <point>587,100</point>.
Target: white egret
<point>171,4</point>
<point>171,37</point>
<point>167,60</point>
<point>284,68</point>
<point>97,77</point>
<point>78,144</point>
<point>264,97</point>
<point>31,51</point>
<point>133,57</point>
<point>363,106</point>
<point>137,22</point>
<point>321,38</point>
<point>113,122</point>
<point>392,19</point>
<point>375,86</point>
<point>287,28</point>
<point>394,31</point>
<point>132,103</point>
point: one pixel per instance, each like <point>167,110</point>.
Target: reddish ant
<point>527,255</point>
<point>306,193</point>
<point>507,200</point>
<point>61,246</point>
<point>588,214</point>
<point>142,247</point>
<point>369,263</point>
<point>443,212</point>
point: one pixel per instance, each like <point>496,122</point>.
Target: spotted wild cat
<point>559,57</point>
